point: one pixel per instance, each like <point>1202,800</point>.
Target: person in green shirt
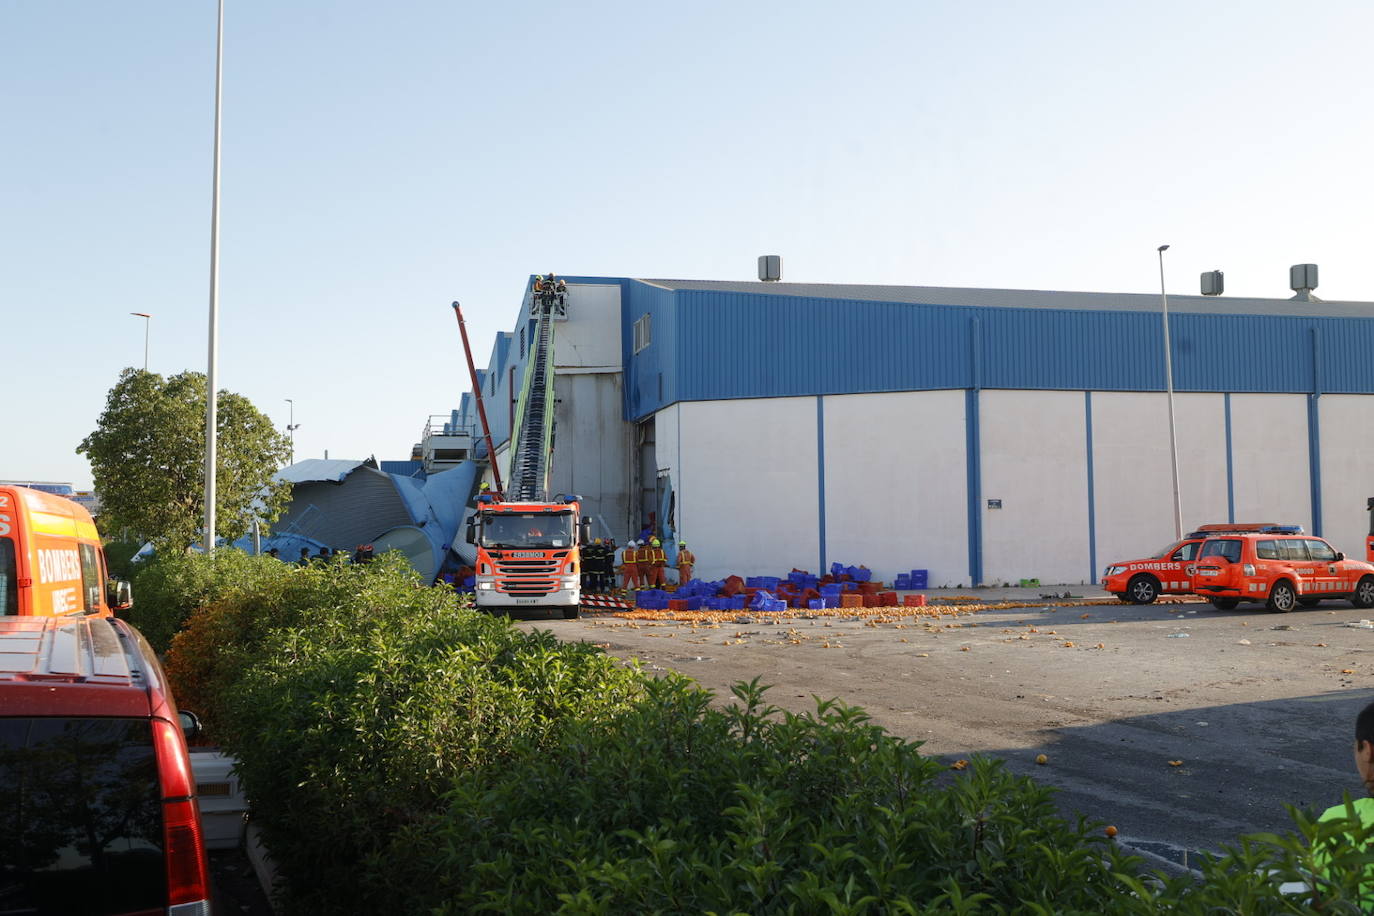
<point>1358,814</point>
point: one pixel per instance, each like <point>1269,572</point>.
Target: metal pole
<point>147,323</point>
<point>291,426</point>
<point>1169,387</point>
<point>481,411</point>
<point>211,377</point>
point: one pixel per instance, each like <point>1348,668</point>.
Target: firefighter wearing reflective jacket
<point>685,561</point>
<point>658,562</point>
<point>629,565</point>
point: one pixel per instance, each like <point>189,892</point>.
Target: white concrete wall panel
<point>1269,459</point>
<point>1133,476</point>
<point>1034,458</point>
<point>590,336</point>
<point>895,492</point>
<point>747,488</point>
<point>1347,466</point>
<point>592,448</point>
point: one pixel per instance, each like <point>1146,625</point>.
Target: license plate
<point>526,601</point>
<point>1208,572</point>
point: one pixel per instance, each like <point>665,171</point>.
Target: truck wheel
<point>1143,589</point>
<point>1363,595</point>
<point>1225,604</point>
<point>1282,598</point>
<point>570,613</point>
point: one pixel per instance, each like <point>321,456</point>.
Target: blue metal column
<point>820,479</point>
<point>1092,506</point>
<point>1230,464</point>
<point>1314,434</point>
<point>973,456</point>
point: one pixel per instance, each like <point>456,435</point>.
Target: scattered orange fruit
<point>1347,671</point>
<point>1041,759</point>
<point>1175,763</point>
<point>1068,645</point>
<point>958,765</point>
<point>1110,830</point>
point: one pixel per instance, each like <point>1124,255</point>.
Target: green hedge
<point>405,754</point>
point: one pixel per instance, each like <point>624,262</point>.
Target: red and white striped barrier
<point>607,602</point>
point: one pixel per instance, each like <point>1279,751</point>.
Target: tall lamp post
<point>1169,387</point>
<point>211,377</point>
<point>291,427</point>
<point>147,322</point>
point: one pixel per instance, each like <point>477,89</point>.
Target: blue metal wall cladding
<point>720,344</point>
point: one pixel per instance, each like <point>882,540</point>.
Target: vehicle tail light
<point>1248,569</point>
<point>188,881</point>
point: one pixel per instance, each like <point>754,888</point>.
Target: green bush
<point>352,719</point>
<point>170,586</point>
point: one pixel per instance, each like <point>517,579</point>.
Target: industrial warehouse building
<point>985,435</point>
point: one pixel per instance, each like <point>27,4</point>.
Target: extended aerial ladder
<point>532,435</point>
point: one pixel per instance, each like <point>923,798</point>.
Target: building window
<point>522,343</point>
<point>643,333</point>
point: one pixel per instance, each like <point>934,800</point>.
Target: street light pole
<point>212,379</point>
<point>1169,387</point>
<point>291,427</point>
<point>147,323</point>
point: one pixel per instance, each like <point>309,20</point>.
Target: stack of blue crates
<point>920,578</point>
<point>763,601</point>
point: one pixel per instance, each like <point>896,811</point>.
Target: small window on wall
<point>522,343</point>
<point>643,333</point>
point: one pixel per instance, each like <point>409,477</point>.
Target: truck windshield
<point>528,529</point>
<point>9,582</point>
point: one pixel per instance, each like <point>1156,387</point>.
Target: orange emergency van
<point>51,561</point>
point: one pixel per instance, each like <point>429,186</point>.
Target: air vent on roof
<point>1213,283</point>
<point>770,267</point>
<point>1302,279</point>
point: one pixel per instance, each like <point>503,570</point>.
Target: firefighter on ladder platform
<point>551,294</point>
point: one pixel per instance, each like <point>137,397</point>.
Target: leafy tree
<point>147,455</point>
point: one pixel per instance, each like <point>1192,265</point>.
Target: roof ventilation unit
<point>770,268</point>
<point>1302,279</point>
<point>1213,283</point>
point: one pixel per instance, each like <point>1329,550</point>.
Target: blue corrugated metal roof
<point>740,340</point>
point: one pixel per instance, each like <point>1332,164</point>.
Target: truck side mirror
<point>190,724</point>
<point>119,595</point>
<point>584,531</point>
<point>472,532</point>
<point>1340,555</point>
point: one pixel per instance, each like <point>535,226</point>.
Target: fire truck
<point>528,543</point>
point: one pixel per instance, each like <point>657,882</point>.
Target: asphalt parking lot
<point>1181,725</point>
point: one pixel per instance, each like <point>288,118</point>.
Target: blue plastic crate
<point>816,604</point>
<point>920,578</point>
<point>859,574</point>
<point>902,582</point>
<point>735,604</point>
<point>832,588</point>
<point>772,605</point>
<point>831,601</point>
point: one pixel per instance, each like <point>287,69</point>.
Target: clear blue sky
<point>381,160</point>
